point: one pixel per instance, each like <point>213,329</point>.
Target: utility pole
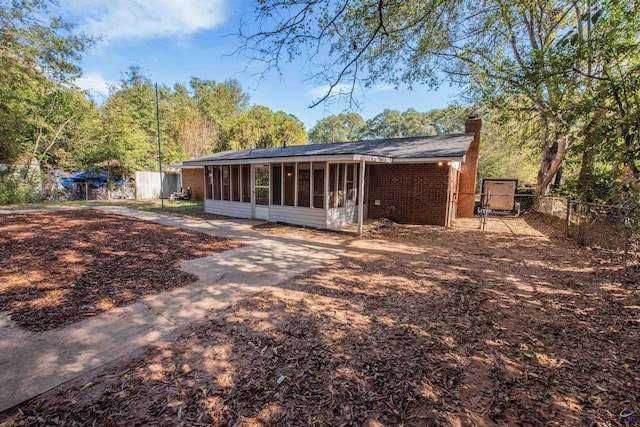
<point>159,151</point>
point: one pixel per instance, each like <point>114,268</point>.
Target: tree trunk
<point>33,157</point>
<point>552,158</point>
<point>630,137</point>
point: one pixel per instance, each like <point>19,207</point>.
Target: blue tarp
<point>95,179</point>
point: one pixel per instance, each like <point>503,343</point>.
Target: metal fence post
<point>486,211</point>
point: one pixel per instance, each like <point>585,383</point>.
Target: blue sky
<point>174,40</point>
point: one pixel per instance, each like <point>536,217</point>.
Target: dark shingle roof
<point>419,147</point>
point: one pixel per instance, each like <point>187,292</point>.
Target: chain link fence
<point>614,228</point>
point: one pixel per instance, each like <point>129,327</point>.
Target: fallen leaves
<point>442,334</point>
<point>60,267</point>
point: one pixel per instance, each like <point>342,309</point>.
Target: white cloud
<point>144,19</point>
<point>94,83</point>
<point>381,87</point>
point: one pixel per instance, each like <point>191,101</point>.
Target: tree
<point>499,50</point>
<point>340,128</point>
<point>219,103</point>
<point>38,63</point>
<point>199,136</point>
<point>259,127</point>
<point>611,139</point>
<point>387,124</point>
<point>508,147</point>
<point>394,124</point>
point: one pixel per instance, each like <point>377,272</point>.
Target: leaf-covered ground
<point>414,326</point>
<point>57,268</point>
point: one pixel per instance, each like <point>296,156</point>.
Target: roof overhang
<point>298,159</point>
<point>429,160</point>
<point>326,158</point>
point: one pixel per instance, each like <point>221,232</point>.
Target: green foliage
<point>509,146</point>
<point>259,127</point>
<point>340,128</point>
<point>571,68</point>
<point>389,124</point>
<point>219,103</point>
<point>15,190</point>
<point>38,61</point>
<point>393,124</point>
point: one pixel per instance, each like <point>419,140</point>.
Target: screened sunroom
<point>317,194</point>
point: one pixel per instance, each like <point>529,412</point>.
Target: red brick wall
<point>469,172</point>
<point>194,178</point>
<point>418,192</point>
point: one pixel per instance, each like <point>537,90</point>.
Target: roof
<point>439,147</point>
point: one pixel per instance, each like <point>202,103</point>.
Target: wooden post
<point>86,190</point>
<point>326,186</point>
<point>295,184</point>
<point>311,185</point>
<point>360,198</point>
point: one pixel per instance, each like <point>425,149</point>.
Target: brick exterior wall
<point>417,191</point>
<point>194,178</point>
<point>469,172</point>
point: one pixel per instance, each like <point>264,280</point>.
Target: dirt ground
<point>414,326</point>
<point>59,267</point>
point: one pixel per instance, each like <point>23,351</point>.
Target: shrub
<point>15,190</point>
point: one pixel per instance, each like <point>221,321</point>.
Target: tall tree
<point>259,127</point>
<point>219,102</point>
<point>130,125</point>
<point>339,128</point>
<point>39,57</point>
<point>499,50</point>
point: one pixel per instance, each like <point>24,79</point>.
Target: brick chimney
<point>469,172</point>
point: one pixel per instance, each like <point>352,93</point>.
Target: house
<point>419,180</point>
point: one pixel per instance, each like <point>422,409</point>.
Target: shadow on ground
<point>414,325</point>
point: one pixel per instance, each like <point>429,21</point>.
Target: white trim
<point>429,160</point>
<point>300,159</point>
<point>239,179</point>
<point>326,186</point>
<point>282,175</point>
<point>360,195</point>
<point>295,184</point>
<point>311,185</point>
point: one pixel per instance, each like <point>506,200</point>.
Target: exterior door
<point>260,200</point>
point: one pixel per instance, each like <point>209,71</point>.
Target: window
<point>246,183</point>
<point>304,184</point>
<point>318,185</point>
<point>289,184</point>
<point>276,190</point>
<point>217,186</point>
<point>235,183</point>
<point>209,186</point>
